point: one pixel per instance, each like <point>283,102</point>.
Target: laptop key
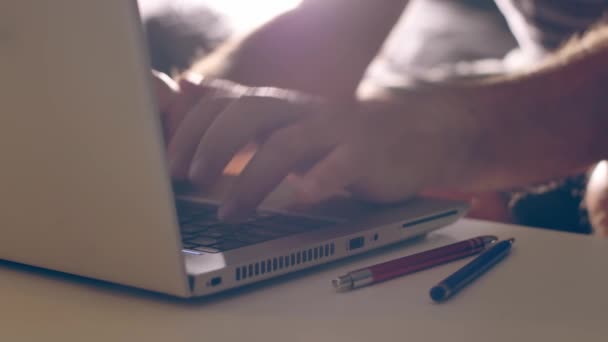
<point>204,241</point>
<point>212,234</point>
<point>249,238</point>
<point>191,229</point>
<point>261,231</point>
<point>189,236</point>
<point>194,209</point>
<point>222,228</point>
<point>229,244</point>
<point>206,221</point>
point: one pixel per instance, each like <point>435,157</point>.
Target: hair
<point>178,36</point>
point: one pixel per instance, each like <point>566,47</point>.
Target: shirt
<point>544,25</point>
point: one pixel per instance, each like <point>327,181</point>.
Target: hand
<point>176,99</point>
<point>371,149</point>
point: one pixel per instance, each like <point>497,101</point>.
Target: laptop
<point>84,183</point>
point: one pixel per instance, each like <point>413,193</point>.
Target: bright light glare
<point>246,14</point>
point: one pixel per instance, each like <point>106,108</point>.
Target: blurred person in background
<point>385,123</point>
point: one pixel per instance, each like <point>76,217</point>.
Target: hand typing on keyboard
<point>370,148</point>
<point>206,122</point>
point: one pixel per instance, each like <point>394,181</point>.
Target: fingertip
<point>165,90</point>
<point>178,175</point>
<point>231,211</point>
<point>190,84</point>
<point>225,211</point>
<point>187,86</point>
<point>197,174</point>
<point>177,171</point>
<point>307,190</point>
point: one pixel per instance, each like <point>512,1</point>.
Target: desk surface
<point>553,287</point>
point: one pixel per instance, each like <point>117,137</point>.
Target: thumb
<point>331,176</point>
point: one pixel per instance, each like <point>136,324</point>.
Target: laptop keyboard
<point>203,232</point>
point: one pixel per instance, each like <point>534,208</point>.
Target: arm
<point>322,47</point>
<point>386,145</point>
<point>536,125</point>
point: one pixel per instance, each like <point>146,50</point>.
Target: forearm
<point>526,128</point>
<point>549,122</point>
<point>322,47</point>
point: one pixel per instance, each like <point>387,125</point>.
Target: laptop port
<point>215,281</point>
<point>356,243</point>
<point>430,218</point>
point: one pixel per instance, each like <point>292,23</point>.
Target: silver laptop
<point>84,184</point>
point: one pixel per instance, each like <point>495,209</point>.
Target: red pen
<point>412,263</point>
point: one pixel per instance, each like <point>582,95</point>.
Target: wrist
<point>448,129</point>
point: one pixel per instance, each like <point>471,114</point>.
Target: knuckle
<point>261,103</point>
<point>335,170</point>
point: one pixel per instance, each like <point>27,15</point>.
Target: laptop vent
<point>284,262</point>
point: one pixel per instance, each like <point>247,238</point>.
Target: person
<point>300,99</point>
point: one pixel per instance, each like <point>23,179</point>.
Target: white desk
<point>553,287</point>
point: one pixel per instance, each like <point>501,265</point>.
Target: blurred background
<point>441,35</point>
<point>180,31</point>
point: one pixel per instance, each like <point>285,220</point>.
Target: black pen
<point>471,271</point>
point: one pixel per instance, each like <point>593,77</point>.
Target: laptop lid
<point>83,182</point>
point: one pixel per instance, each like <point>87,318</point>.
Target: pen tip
<point>342,283</point>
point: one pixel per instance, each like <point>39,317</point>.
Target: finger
<point>198,86</point>
<point>330,176</point>
<point>174,117</point>
<point>190,93</point>
<point>240,123</point>
<point>184,142</point>
<point>165,90</point>
<point>168,95</point>
<point>192,89</point>
<point>277,157</point>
